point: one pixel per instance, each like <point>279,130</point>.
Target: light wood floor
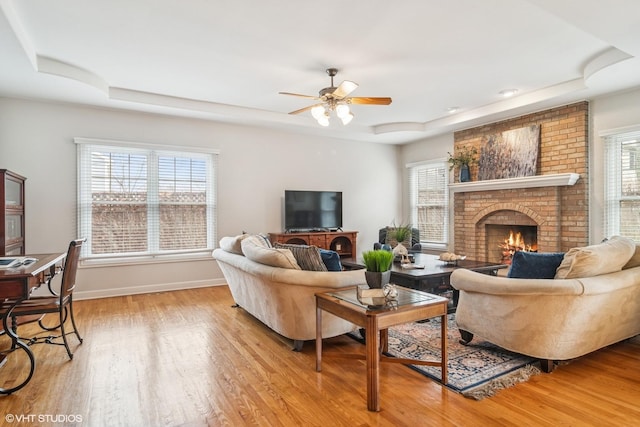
<point>188,358</point>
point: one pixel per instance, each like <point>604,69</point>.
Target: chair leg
<point>63,333</point>
<point>73,321</point>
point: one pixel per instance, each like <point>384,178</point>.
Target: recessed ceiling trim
<point>605,59</point>
<point>63,69</point>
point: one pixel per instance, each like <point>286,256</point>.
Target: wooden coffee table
<point>411,305</point>
<point>434,277</point>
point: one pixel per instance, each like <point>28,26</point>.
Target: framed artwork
<point>509,154</point>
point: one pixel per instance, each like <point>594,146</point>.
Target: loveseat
<point>269,283</point>
<point>592,301</point>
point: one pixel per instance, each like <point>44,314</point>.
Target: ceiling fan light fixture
<point>342,111</point>
<point>318,111</point>
<point>323,120</point>
<point>347,118</point>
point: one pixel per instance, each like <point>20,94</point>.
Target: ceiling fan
<point>336,99</point>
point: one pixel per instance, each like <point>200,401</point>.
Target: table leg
<point>373,364</point>
<point>384,340</point>
<point>318,339</point>
<point>443,345</point>
<point>16,344</point>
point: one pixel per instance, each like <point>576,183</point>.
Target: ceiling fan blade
<point>302,110</point>
<point>345,88</point>
<point>297,94</point>
<point>370,100</point>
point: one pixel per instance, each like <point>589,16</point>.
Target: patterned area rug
<point>477,370</point>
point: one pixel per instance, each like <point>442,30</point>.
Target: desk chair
<point>61,303</point>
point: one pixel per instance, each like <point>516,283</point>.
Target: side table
<point>409,306</point>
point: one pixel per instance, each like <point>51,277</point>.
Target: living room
<point>256,165</point>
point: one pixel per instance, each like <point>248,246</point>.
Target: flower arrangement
<point>464,156</point>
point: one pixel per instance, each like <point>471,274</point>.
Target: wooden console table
<point>343,242</point>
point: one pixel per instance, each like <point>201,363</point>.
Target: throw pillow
<point>533,265</point>
<point>233,244</point>
<point>635,259</point>
<point>606,257</point>
<point>331,260</point>
<point>254,250</point>
<point>307,257</point>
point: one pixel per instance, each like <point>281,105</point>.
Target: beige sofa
<point>270,285</point>
<point>593,301</point>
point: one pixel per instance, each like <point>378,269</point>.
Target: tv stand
<point>343,242</point>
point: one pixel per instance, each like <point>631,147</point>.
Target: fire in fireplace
<point>514,243</point>
<point>502,241</point>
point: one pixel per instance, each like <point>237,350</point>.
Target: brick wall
<point>560,213</point>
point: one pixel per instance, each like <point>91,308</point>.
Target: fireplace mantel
<point>554,180</point>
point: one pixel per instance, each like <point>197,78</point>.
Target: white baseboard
<point>146,289</point>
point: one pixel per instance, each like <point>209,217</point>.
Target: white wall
<point>255,167</point>
<point>607,113</point>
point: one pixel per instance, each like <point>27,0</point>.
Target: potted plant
<point>462,159</point>
<point>378,267</point>
<point>400,234</point>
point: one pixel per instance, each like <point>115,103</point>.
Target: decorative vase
<point>465,176</point>
<point>376,279</point>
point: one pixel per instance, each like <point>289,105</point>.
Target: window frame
<point>154,255</point>
<point>613,168</point>
<point>412,170</point>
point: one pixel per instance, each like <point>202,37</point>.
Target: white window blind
<point>429,200</point>
<point>622,185</point>
<point>139,200</point>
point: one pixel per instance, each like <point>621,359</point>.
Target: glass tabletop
<point>404,297</point>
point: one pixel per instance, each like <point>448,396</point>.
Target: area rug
<point>477,370</point>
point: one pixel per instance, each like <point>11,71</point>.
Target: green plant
<point>401,233</point>
<point>377,260</point>
<point>464,156</point>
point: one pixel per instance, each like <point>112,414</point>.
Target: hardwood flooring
<point>187,358</point>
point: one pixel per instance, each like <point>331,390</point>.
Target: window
<point>138,200</point>
<point>429,199</point>
<point>622,185</point>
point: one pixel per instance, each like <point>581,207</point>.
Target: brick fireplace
<point>554,203</point>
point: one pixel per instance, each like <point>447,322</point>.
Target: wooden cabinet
<point>343,242</point>
<point>11,213</point>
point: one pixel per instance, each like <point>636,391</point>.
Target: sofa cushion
<point>308,257</point>
<point>331,260</point>
<point>233,244</point>
<point>533,265</point>
<point>254,249</point>
<point>635,259</point>
<point>606,257</point>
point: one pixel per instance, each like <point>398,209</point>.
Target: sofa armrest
<point>471,281</point>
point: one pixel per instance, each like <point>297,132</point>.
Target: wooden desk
<point>16,285</point>
<point>410,305</point>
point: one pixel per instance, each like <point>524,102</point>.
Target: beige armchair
<point>549,319</point>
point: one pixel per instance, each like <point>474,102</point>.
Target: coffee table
<point>409,306</point>
<point>434,277</point>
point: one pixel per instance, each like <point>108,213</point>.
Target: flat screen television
<point>312,210</point>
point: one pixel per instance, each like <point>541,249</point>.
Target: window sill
<point>146,259</point>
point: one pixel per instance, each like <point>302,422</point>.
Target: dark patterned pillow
<point>533,265</point>
<point>308,257</point>
<point>331,260</point>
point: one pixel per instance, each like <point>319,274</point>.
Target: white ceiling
<point>226,60</point>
